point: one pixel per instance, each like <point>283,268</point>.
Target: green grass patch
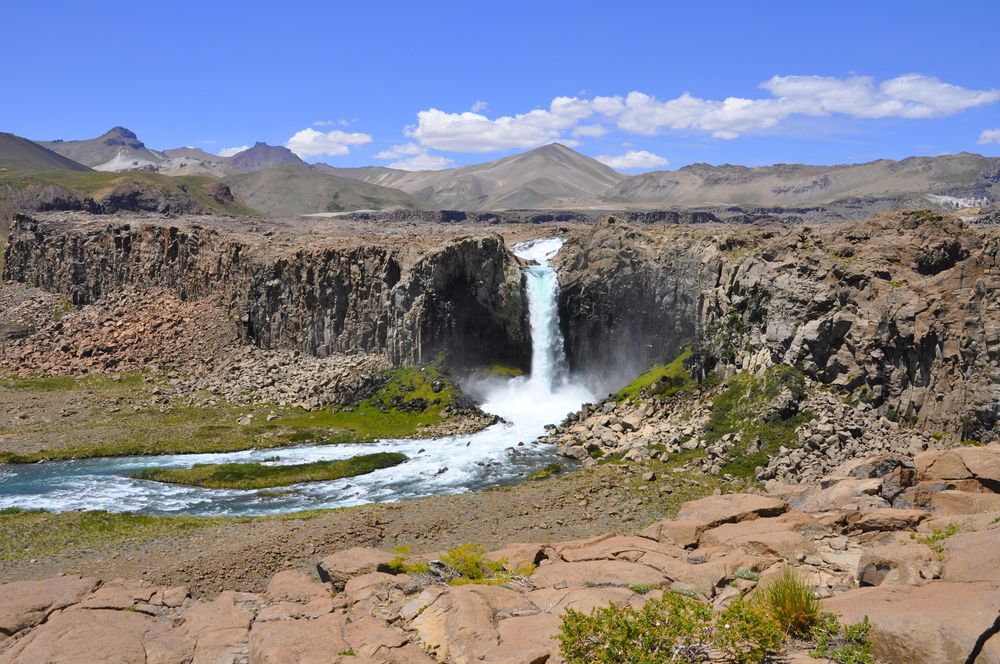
<point>739,409</point>
<point>126,381</point>
<point>546,472</point>
<point>405,406</point>
<point>661,380</point>
<point>260,476</point>
<point>33,534</point>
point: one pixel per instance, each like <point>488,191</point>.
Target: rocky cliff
<point>900,311</point>
<point>460,298</point>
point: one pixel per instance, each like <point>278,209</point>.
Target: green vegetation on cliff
<point>661,380</point>
<point>260,476</point>
<point>744,408</point>
<point>411,399</point>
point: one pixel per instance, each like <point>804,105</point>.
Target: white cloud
<point>473,132</point>
<point>479,106</point>
<point>590,130</point>
<point>911,96</point>
<point>989,136</point>
<point>412,157</point>
<point>229,152</point>
<point>312,143</point>
<point>397,151</point>
<point>633,159</point>
<point>423,162</point>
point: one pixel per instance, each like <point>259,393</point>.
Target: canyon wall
<point>902,310</point>
<point>461,300</point>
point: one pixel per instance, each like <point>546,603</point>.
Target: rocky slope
<point>118,149</point>
<point>965,176</point>
<point>552,176</point>
<point>23,155</point>
<point>291,190</point>
<point>931,597</point>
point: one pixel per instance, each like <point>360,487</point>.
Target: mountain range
<point>276,182</point>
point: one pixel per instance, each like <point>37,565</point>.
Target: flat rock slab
<point>298,641</point>
<point>596,573</point>
<point>937,623</point>
<point>730,508</point>
<point>887,519</point>
<point>24,604</point>
<point>86,637</point>
<point>962,502</point>
<point>972,556</point>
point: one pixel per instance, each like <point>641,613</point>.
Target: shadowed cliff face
<point>462,301</point>
<point>902,310</point>
<point>624,305</point>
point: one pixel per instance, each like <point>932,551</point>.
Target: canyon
<point>605,371</point>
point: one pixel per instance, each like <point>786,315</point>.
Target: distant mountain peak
<point>262,155</point>
<point>120,136</point>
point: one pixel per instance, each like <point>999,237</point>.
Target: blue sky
<point>640,84</point>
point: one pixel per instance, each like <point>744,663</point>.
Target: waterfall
<point>548,355</point>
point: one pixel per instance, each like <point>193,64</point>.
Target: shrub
<point>469,562</point>
<point>849,645</point>
<point>746,574</point>
<point>672,629</point>
<point>747,632</point>
<point>792,602</point>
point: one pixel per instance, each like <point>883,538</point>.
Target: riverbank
<point>241,553</point>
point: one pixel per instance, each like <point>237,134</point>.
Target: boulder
<point>296,586</point>
<point>339,567</point>
<point>557,601</point>
<point>886,519</point>
<point>519,555</point>
<point>898,565</point>
<point>936,623</point>
<point>961,463</point>
<point>682,534</point>
<point>618,547</point>
<point>730,508</point>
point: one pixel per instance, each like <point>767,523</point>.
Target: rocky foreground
<point>927,577</point>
